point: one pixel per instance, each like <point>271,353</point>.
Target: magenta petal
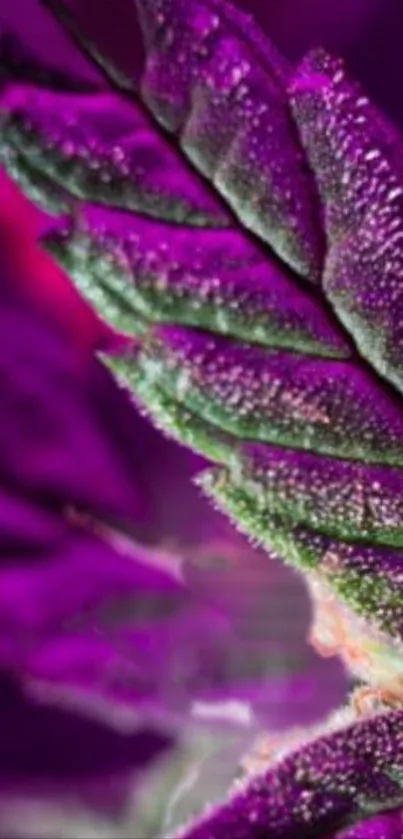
<point>96,622</point>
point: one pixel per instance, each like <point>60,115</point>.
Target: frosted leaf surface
<point>216,81</point>
<point>356,156</point>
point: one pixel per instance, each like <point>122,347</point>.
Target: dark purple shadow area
<point>297,25</point>
<point>38,29</point>
<point>40,743</point>
<point>369,32</point>
<point>115,29</point>
<point>378,61</point>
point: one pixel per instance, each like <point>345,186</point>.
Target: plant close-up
<point>201,432</point>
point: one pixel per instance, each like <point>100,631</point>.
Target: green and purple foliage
<point>238,221</point>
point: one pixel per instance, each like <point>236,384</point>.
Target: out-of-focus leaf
<point>99,622</point>
<point>60,754</point>
<point>51,444</point>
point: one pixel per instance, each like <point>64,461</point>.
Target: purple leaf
<point>102,148</point>
<point>213,78</point>
<point>60,755</point>
<point>329,494</point>
<point>356,156</point>
<point>214,279</point>
<point>337,780</point>
<point>277,397</point>
<point>209,391</point>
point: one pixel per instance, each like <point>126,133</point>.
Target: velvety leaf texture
<point>334,781</point>
<point>216,279</point>
<point>246,237</point>
<point>357,159</point>
<point>103,149</point>
<point>214,80</point>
